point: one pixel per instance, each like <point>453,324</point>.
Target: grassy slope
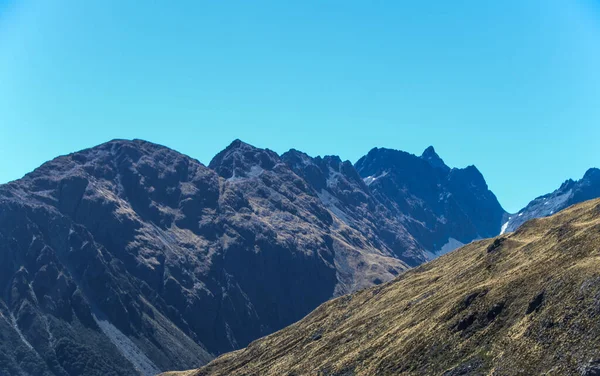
<point>526,304</point>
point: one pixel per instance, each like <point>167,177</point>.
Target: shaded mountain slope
<point>132,258</point>
<point>442,208</point>
<point>569,193</point>
<point>522,303</point>
<point>341,189</point>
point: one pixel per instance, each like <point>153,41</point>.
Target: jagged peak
<point>238,159</point>
<point>429,151</point>
<point>238,144</point>
<point>434,159</point>
<point>592,174</point>
<point>295,156</point>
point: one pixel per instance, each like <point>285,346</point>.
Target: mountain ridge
<point>144,252</point>
<point>570,192</point>
<point>521,303</point>
<point>163,262</point>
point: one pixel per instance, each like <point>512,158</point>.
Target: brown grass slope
<point>525,303</point>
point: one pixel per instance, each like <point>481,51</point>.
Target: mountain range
<point>524,303</point>
<point>131,258</point>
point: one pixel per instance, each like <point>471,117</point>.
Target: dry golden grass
<point>525,303</point>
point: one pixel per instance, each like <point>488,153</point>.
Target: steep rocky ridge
<point>569,193</point>
<point>345,194</point>
<point>442,208</point>
<point>132,258</point>
<point>525,303</point>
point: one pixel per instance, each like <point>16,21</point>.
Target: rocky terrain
<point>524,303</point>
<point>569,193</point>
<point>131,258</point>
<point>442,207</point>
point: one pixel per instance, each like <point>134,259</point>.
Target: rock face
<point>130,258</point>
<point>570,193</point>
<point>442,208</point>
<point>341,189</point>
<point>525,303</point>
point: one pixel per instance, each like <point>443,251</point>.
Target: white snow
<point>504,226</point>
<point>370,179</point>
<point>541,207</point>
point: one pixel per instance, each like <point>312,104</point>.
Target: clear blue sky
<point>511,86</point>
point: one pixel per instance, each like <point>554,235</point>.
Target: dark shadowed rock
<point>132,258</point>
<point>442,208</point>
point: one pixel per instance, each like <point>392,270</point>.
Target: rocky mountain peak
<point>240,160</point>
<point>469,176</point>
<point>445,204</point>
<point>592,175</point>
<point>434,159</point>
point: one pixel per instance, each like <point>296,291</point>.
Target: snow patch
<point>504,227</point>
<point>370,179</point>
<point>541,207</point>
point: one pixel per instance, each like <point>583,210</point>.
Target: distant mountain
<point>525,303</point>
<point>131,258</point>
<point>570,192</point>
<point>442,208</point>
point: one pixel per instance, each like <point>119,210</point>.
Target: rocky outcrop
<point>341,189</point>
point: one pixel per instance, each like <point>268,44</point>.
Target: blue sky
<point>510,86</point>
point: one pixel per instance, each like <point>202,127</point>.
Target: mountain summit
<point>131,258</point>
<point>434,159</point>
<point>443,208</point>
